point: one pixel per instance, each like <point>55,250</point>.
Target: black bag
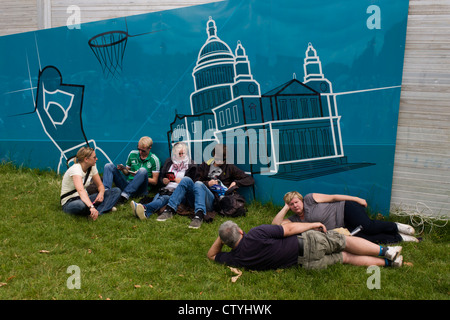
<point>232,205</point>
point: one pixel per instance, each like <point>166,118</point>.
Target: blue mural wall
<point>305,94</point>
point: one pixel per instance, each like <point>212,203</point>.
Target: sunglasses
<point>143,150</point>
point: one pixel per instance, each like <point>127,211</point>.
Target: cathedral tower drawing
<point>213,74</point>
<point>301,119</point>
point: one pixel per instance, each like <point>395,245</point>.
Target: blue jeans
<point>78,207</point>
<point>136,187</point>
<point>158,202</point>
<point>196,194</point>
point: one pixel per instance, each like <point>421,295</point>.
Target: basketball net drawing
<point>109,49</point>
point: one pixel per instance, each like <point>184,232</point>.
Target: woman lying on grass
<point>336,211</point>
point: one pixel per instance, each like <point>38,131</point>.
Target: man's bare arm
<point>215,249</point>
<point>279,218</point>
<point>300,227</point>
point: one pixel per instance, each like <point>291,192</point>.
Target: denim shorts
<point>321,249</point>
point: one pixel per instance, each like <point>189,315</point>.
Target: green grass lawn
<point>121,257</point>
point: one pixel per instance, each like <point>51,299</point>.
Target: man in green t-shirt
<point>141,170</point>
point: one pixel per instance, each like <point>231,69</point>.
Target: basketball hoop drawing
<point>109,49</point>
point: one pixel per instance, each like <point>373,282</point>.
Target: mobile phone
<point>170,176</point>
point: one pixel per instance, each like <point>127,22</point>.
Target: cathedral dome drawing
<point>214,49</point>
<point>213,73</point>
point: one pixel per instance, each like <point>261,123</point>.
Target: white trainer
<point>393,252</point>
<point>405,229</point>
<point>408,238</point>
<point>398,262</point>
<point>140,211</point>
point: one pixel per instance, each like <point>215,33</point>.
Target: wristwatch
<point>91,206</point>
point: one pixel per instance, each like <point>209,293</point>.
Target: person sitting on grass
<point>74,197</point>
<point>267,247</point>
<point>141,170</point>
<point>173,170</point>
<point>197,193</point>
<point>336,211</point>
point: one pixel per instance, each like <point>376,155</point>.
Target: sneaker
<point>393,252</point>
<point>138,210</point>
<point>167,214</point>
<point>133,207</point>
<point>195,223</point>
<point>398,262</point>
<point>408,238</point>
<point>405,229</point>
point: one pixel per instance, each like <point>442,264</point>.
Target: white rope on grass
<point>420,216</point>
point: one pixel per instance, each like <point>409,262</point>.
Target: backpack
<point>232,205</point>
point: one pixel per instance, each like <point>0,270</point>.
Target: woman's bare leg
<point>360,246</point>
<point>358,260</point>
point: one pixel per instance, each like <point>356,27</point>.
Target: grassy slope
<point>121,257</point>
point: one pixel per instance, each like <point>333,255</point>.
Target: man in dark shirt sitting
<point>308,244</point>
<point>197,192</point>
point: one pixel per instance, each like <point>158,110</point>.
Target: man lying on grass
<point>297,243</point>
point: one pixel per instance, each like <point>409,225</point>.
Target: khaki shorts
<point>321,249</point>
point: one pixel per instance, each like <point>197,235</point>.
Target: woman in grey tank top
<point>336,211</point>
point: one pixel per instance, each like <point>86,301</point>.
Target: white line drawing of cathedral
<point>301,120</point>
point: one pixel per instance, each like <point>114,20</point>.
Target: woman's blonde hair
<point>83,153</point>
<point>291,195</point>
